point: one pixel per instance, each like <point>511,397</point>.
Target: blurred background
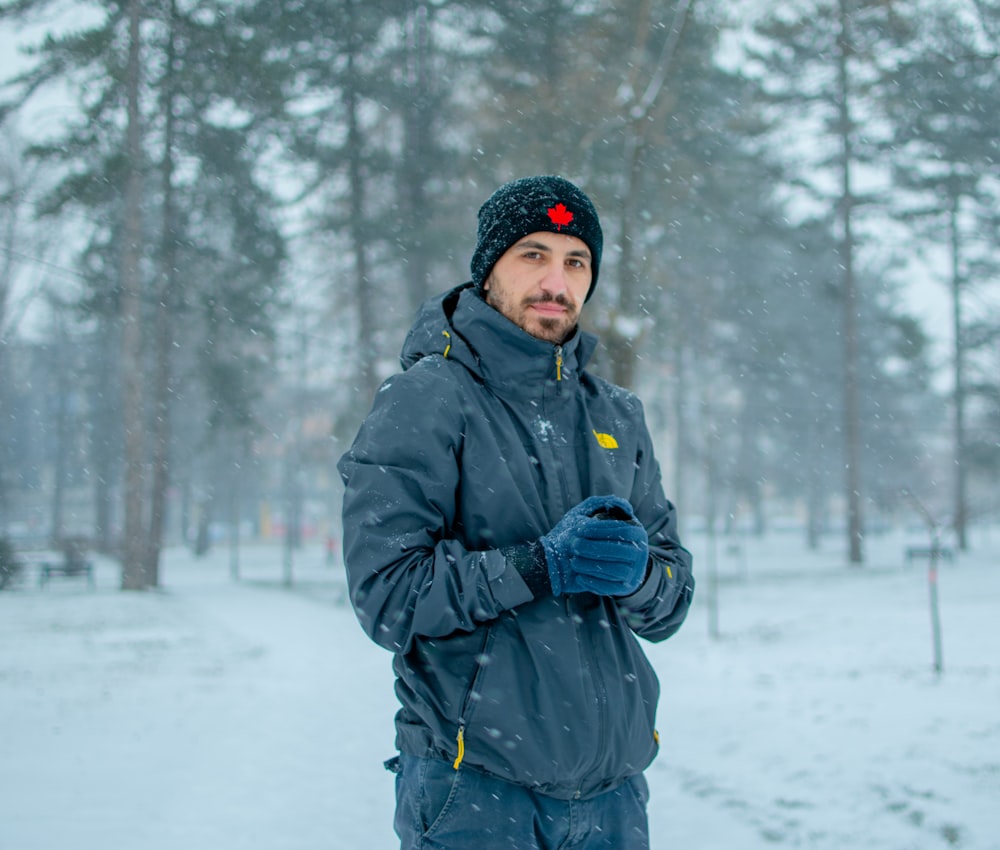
<point>217,220</point>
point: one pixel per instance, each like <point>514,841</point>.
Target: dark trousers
<point>440,808</point>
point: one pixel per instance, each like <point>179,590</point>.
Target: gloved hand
<point>597,547</point>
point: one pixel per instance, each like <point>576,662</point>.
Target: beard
<point>554,329</point>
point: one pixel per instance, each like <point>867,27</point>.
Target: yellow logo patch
<point>606,441</point>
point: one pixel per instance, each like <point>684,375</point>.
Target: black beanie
<point>530,205</point>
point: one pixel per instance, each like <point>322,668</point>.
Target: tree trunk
<point>60,365</point>
<point>362,286</point>
<point>164,336</point>
<point>107,412</point>
<point>133,546</point>
<point>852,409</point>
<point>619,338</point>
<point>961,505</point>
<point>8,244</point>
<point>416,153</point>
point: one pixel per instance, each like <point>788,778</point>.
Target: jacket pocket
<point>471,698</point>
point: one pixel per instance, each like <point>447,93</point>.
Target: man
<point>506,535</point>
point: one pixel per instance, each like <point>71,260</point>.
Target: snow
<point>222,714</point>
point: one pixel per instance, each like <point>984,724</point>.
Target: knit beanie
<point>529,205</point>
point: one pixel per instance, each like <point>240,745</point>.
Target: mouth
<point>548,308</point>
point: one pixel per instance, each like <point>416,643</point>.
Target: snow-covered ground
<point>219,714</point>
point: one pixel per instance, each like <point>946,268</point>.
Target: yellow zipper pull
<point>447,348</point>
<point>558,362</point>
<point>461,747</point>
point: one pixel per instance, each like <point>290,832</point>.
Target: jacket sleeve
<point>658,608</point>
<point>407,574</point>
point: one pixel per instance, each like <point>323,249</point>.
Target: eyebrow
<point>541,246</point>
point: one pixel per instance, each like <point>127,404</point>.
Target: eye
<point>530,254</point>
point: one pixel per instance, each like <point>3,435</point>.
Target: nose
<point>554,280</point>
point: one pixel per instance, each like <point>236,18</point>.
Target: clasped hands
<point>597,547</point>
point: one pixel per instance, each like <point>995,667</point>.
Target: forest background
<point>217,220</point>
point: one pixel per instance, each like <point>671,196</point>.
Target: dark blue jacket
<point>484,441</point>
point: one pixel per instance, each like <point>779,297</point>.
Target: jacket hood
<point>460,325</point>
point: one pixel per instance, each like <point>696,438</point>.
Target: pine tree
<point>944,105</point>
<point>823,62</point>
<point>199,244</point>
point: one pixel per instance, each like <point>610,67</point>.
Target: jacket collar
<point>492,347</point>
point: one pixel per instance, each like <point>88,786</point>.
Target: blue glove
<point>597,547</point>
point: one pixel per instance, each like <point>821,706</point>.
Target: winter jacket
<point>484,441</point>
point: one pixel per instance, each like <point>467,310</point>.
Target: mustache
<point>561,299</point>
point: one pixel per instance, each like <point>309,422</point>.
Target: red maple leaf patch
<point>560,215</point>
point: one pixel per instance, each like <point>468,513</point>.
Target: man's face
<point>540,284</point>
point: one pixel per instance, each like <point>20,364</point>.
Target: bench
<point>73,565</point>
<point>926,553</point>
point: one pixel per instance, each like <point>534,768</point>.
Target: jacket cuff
<point>529,561</point>
<point>646,591</point>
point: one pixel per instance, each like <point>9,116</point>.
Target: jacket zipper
<point>563,483</point>
<point>466,715</point>
<point>600,691</point>
<point>602,697</point>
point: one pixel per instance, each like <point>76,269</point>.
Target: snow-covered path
<point>817,719</point>
<point>245,716</point>
<point>211,715</point>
